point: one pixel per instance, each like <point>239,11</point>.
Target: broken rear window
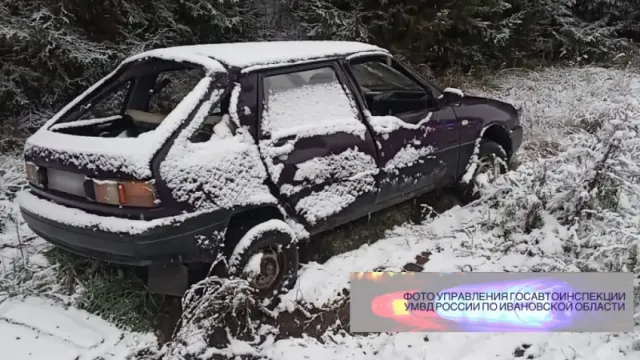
<point>134,103</point>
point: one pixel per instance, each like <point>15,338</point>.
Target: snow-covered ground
<point>36,320</point>
<point>573,205</point>
<point>38,328</point>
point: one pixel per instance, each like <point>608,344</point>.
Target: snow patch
<point>223,172</point>
<point>37,328</point>
<point>253,265</point>
<point>271,152</point>
<point>335,197</point>
<point>247,54</point>
<point>408,156</point>
<point>452,91</point>
<point>346,164</point>
<point>298,229</point>
<point>472,165</point>
<point>309,107</point>
<point>388,124</point>
<point>78,218</point>
<point>367,53</point>
<point>212,66</point>
<point>87,122</point>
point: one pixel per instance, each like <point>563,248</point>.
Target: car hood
<point>487,110</point>
<point>469,100</point>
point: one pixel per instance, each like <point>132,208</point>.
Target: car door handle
<point>449,123</point>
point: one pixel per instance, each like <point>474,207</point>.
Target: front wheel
<point>267,256</point>
<point>491,161</point>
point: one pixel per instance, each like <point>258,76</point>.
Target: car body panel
<point>321,170</point>
<point>220,173</point>
<point>477,114</point>
<point>184,238</point>
<point>417,150</point>
<point>317,175</point>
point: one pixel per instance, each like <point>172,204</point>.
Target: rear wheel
<point>490,163</point>
<point>267,256</point>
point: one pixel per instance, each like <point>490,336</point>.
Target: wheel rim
<point>489,166</point>
<point>271,266</point>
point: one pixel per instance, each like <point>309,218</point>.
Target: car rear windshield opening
<point>135,102</point>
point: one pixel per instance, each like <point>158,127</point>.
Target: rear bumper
<point>162,241</point>
<point>516,138</point>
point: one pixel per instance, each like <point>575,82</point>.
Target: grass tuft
<point>116,293</point>
<point>363,231</point>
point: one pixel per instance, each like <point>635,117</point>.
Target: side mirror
<point>450,96</point>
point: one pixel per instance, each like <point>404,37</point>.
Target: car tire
<point>279,260</point>
<point>492,159</point>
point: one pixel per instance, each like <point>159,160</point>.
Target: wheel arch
<point>499,134</point>
<point>245,219</point>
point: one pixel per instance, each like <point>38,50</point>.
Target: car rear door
<point>417,140</point>
<point>317,150</point>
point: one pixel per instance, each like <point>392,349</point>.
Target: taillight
<point>126,193</point>
<point>34,174</point>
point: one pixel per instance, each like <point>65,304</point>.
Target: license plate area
<point>66,182</point>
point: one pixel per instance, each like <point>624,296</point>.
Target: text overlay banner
<point>492,302</point>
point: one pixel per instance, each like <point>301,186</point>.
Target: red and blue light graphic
<point>394,306</point>
<point>522,318</point>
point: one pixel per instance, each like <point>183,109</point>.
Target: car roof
<point>246,54</point>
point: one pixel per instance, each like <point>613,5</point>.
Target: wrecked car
<point>238,152</point>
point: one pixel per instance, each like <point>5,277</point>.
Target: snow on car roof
<point>245,54</point>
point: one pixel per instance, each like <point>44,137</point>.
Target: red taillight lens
<point>34,175</point>
<point>126,193</point>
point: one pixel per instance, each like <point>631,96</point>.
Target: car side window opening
<point>109,105</point>
<point>304,99</point>
<point>388,90</point>
<point>171,87</point>
<point>134,104</point>
<point>217,124</point>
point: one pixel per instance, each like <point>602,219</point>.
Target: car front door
<point>416,139</point>
<point>316,147</point>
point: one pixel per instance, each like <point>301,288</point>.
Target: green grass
<point>121,299</point>
<point>366,230</point>
<point>115,293</point>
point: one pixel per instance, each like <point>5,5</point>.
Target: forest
<point>52,49</point>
